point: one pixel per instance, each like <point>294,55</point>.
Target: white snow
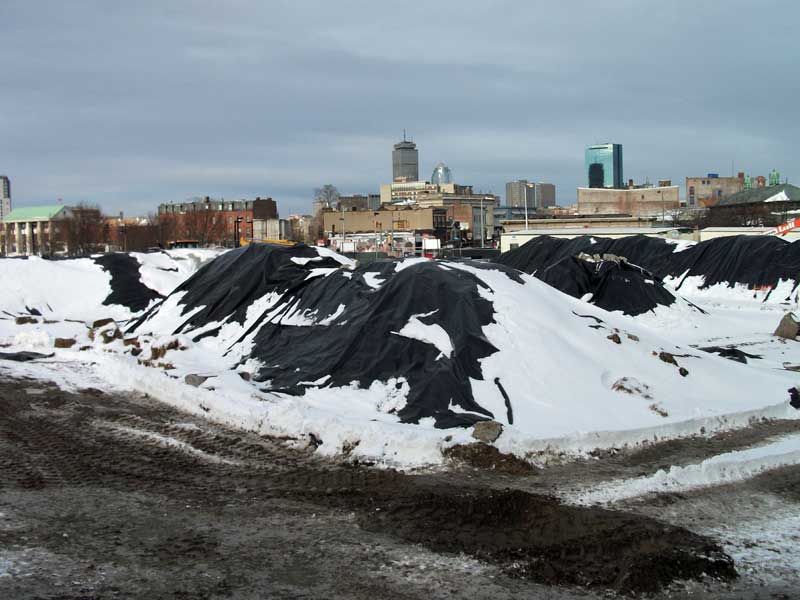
<point>304,261</point>
<point>680,245</point>
<point>373,280</point>
<point>719,469</point>
<point>430,334</point>
<point>779,197</point>
<point>165,440</point>
<point>328,253</point>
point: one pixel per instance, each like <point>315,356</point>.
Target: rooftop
<point>34,213</point>
<point>784,192</point>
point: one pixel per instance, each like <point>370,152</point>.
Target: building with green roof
<point>33,230</point>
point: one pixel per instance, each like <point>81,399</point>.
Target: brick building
<point>221,222</point>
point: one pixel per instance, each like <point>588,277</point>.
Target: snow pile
<point>396,360</point>
<point>443,345</point>
<point>115,285</point>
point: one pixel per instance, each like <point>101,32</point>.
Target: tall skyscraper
<point>604,166</point>
<point>405,161</point>
<point>5,196</point>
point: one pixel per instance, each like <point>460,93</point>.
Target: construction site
<point>579,417</point>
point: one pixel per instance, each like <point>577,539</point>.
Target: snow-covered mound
<point>767,266</point>
<point>309,323</point>
<point>116,285</point>
<point>441,343</point>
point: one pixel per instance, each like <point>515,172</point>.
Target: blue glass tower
<point>604,166</point>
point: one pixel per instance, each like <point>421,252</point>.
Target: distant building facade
<point>604,166</point>
<point>359,202</point>
<point>535,196</point>
<point>545,195</point>
<point>409,191</point>
<point>219,221</point>
<point>405,161</point>
<point>34,230</point>
<point>5,196</point>
<point>641,202</point>
<point>520,193</point>
<point>703,192</point>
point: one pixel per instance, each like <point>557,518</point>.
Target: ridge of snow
<point>722,468</point>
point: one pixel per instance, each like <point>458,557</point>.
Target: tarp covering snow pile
<point>755,262</point>
<point>439,343</point>
<point>609,282</point>
<point>311,323</point>
<point>116,285</point>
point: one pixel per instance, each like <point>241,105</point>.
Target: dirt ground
<point>119,496</point>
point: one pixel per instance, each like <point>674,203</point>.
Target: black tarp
<point>614,285</point>
<point>756,261</point>
<point>23,356</point>
<point>368,348</point>
<point>127,288</point>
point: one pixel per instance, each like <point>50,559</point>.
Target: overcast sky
<point>130,104</point>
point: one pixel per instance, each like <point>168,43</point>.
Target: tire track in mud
<point>58,441</point>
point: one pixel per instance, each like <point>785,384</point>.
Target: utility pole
<point>341,206</point>
<point>375,222</point>
<point>526,209</point>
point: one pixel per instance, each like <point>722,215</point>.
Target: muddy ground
<point>119,496</point>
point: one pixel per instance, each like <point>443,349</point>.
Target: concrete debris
<point>64,342</point>
<point>788,328</point>
<point>195,380</point>
<point>487,431</point>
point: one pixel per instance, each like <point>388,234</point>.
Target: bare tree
<point>203,224</point>
<point>164,228</point>
<point>327,196</point>
<point>83,231</point>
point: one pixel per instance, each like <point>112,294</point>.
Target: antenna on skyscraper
<point>404,134</point>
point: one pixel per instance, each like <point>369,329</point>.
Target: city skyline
<point>243,104</point>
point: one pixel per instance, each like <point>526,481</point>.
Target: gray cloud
<point>132,104</point>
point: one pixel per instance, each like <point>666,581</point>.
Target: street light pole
<point>483,226</point>
<point>375,223</point>
<point>525,195</point>
<point>343,226</point>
